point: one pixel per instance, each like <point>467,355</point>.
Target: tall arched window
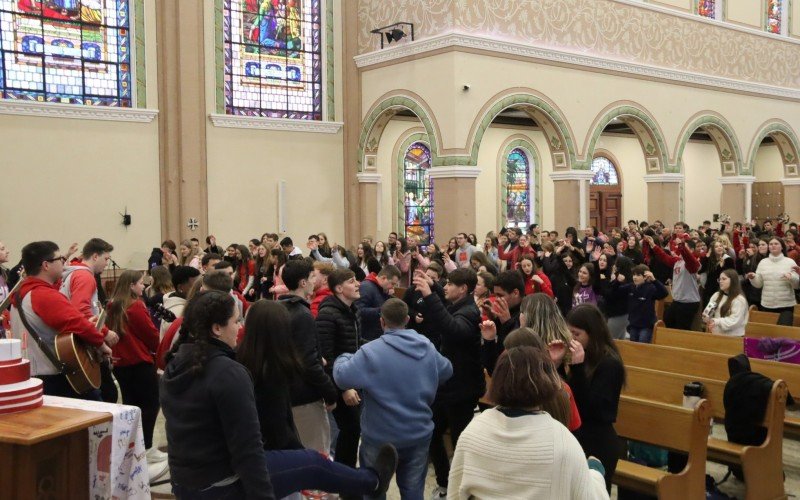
<point>518,189</point>
<point>776,16</point>
<point>604,172</point>
<point>66,51</point>
<point>273,58</point>
<point>418,192</point>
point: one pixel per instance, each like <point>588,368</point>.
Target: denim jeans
<point>412,467</point>
<point>643,335</point>
<point>291,471</point>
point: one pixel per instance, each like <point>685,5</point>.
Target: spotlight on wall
<point>393,32</point>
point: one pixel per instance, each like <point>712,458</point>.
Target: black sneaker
<point>385,465</point>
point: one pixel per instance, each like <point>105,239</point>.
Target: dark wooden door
<point>612,210</point>
<point>594,209</point>
<point>605,207</point>
<point>767,200</point>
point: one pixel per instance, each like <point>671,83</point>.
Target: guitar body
<point>82,362</point>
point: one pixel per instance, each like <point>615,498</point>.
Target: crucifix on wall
<point>193,224</point>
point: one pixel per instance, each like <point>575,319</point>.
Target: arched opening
<point>605,193</point>
<point>417,193</point>
<point>773,158</point>
<point>517,205</point>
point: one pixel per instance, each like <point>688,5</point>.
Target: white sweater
<point>777,292</point>
<point>733,324</point>
<point>526,457</point>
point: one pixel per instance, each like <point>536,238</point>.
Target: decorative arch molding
<point>786,140</point>
<point>398,192</point>
<point>644,127</point>
<point>541,109</point>
<point>379,115</point>
<point>524,143</point>
<point>723,137</point>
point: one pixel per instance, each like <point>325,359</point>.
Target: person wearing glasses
<point>39,304</point>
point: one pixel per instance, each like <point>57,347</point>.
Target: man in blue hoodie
<point>399,374</point>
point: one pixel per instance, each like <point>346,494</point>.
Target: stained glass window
<point>518,188</point>
<point>66,51</point>
<point>418,192</point>
<point>707,8</point>
<point>604,173</point>
<point>774,16</point>
<point>273,58</point>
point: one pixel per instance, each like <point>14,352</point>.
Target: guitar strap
<point>61,367</point>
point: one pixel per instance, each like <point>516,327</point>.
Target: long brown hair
<point>587,317</point>
<point>734,291</point>
<point>524,378</point>
<point>122,299</point>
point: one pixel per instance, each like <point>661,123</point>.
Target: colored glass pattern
<point>707,8</point>
<point>518,188</point>
<point>604,173</point>
<point>66,51</point>
<point>418,192</point>
<point>774,16</point>
<point>273,58</point>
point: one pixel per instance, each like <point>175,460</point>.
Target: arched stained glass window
<point>604,173</point>
<point>273,58</point>
<point>707,8</point>
<point>418,192</point>
<point>66,51</point>
<point>518,189</point>
<point>775,16</point>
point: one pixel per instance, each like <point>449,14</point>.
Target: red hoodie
<point>82,290</point>
<point>140,339</point>
<point>532,287</point>
<point>319,296</point>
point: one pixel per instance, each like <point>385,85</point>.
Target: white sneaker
<point>154,455</point>
<point>157,470</point>
<point>439,492</point>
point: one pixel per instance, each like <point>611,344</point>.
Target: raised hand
<point>488,330</point>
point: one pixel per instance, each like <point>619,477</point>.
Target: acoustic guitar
<point>81,362</point>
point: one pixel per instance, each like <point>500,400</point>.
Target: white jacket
<point>733,324</point>
<point>777,292</point>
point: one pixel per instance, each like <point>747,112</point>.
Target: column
<point>369,184</point>
<point>791,196</point>
<point>737,197</point>
<point>570,186</point>
<point>182,119</point>
<point>454,201</point>
<point>664,198</point>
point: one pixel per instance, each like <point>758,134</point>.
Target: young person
<point>727,311</point>
<point>418,309</point>
<point>540,459</point>
<point>586,290</point>
<point>246,270</point>
<point>777,278</point>
<point>321,289</point>
<point>642,292</point>
<point>713,266</point>
<point>535,280</point>
<point>205,392</point>
<point>399,373</point>
<point>190,255</point>
<point>183,277</point>
<point>374,291</point>
<point>684,264</point>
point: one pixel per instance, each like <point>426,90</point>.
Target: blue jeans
<point>643,335</point>
<point>412,467</point>
<point>291,471</point>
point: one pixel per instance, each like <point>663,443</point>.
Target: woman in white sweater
<point>777,277</point>
<point>518,451</point>
<point>727,312</point>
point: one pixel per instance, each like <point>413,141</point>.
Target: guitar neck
<point>7,302</point>
<point>101,319</point>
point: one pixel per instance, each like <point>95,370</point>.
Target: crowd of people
<point>280,369</point>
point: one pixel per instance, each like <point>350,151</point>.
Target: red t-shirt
<point>574,416</point>
<point>140,339</point>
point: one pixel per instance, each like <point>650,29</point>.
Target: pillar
<point>351,96</point>
<point>571,185</point>
<point>791,196</point>
<point>664,198</point>
<point>737,197</point>
<point>182,119</point>
<point>369,184</point>
<point>454,201</point>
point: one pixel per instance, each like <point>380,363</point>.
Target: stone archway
<point>723,137</point>
<point>787,142</point>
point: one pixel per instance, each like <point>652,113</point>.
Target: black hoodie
<point>212,424</point>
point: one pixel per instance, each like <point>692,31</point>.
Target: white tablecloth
<point>117,463</point>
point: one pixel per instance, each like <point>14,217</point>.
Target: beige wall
<point>769,166</point>
<point>395,133</point>
<point>68,180</point>
<point>748,13</point>
<point>684,5</point>
<point>245,167</point>
<point>795,15</point>
<point>702,189</point>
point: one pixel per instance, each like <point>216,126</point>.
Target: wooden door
<point>767,200</point>
<point>594,209</point>
<point>612,210</point>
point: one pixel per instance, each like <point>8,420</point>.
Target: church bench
<point>752,329</point>
<point>708,365</point>
<point>667,387</point>
<point>756,316</point>
<point>669,426</point>
<point>697,341</point>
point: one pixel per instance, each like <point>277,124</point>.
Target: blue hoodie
<point>399,374</point>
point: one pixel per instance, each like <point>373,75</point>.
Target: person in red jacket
<point>49,313</point>
<point>513,256</point>
<point>134,367</point>
<point>321,290</point>
<point>535,279</point>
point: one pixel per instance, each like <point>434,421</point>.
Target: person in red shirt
<point>321,290</point>
<point>133,354</point>
<point>49,313</point>
<point>535,280</point>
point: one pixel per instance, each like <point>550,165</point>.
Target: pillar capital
<point>454,172</point>
<point>369,178</point>
<point>737,179</point>
<point>654,178</point>
<point>791,181</point>
<point>572,175</point>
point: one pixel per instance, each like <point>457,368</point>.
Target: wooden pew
<point>668,426</point>
<point>756,316</point>
<point>667,387</point>
<point>776,331</point>
<point>697,341</point>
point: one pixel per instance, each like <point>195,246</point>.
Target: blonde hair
<point>723,238</point>
<point>543,316</point>
<point>193,252</point>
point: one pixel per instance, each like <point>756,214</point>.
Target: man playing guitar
<point>49,313</point>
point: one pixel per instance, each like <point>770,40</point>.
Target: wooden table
<point>44,453</point>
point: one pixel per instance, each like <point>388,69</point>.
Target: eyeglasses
<point>62,259</point>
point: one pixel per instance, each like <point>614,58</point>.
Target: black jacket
<point>416,305</point>
<point>338,329</point>
<point>315,384</point>
<point>492,350</point>
<point>274,405</point>
<point>369,308</point>
<point>461,344</point>
<point>212,422</point>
